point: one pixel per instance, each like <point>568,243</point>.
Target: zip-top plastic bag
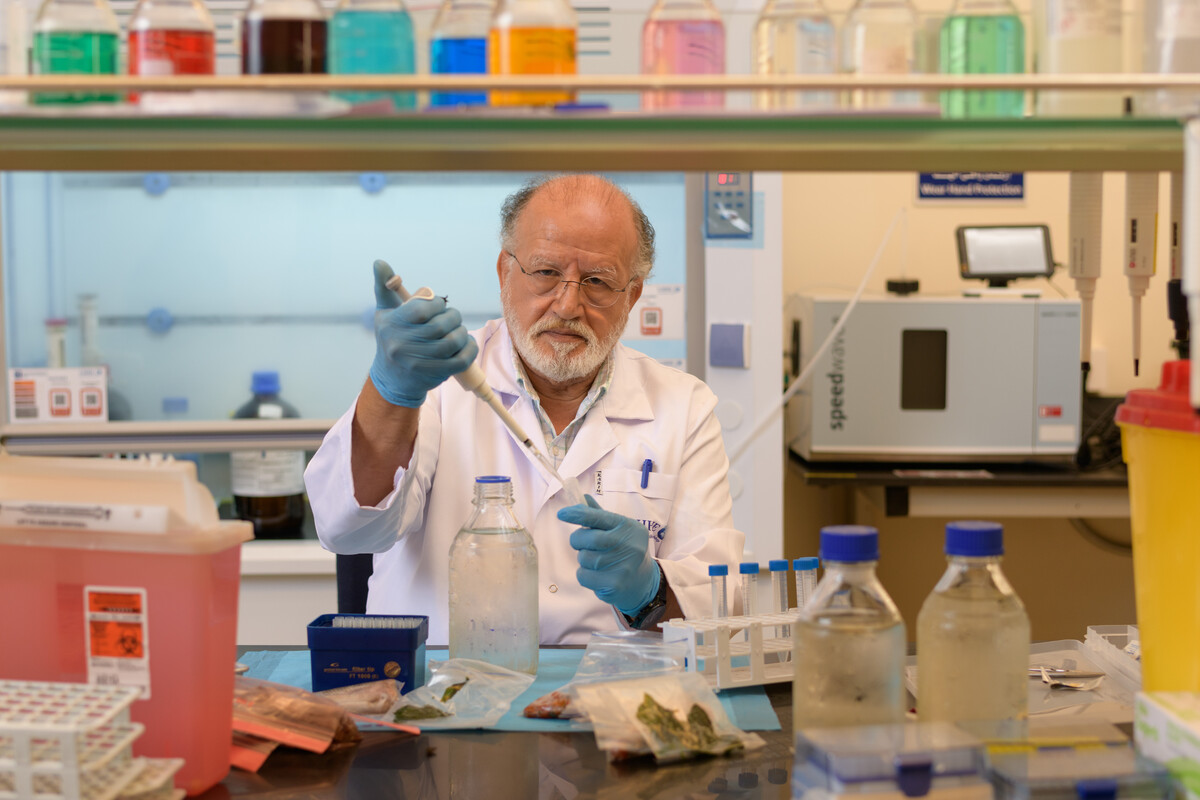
<point>462,693</point>
<point>674,716</point>
<point>610,656</point>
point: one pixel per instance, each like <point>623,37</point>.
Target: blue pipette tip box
<point>342,656</point>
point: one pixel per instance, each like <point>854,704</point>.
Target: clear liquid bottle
<point>532,37</point>
<point>493,583</point>
<point>458,46</point>
<point>849,640</point>
<point>75,37</point>
<point>1171,46</point>
<point>794,37</point>
<point>973,634</point>
<point>284,37</point>
<point>171,37</point>
<point>1072,37</point>
<point>268,485</point>
<point>982,37</point>
<point>373,37</point>
<point>683,37</point>
<point>880,38</point>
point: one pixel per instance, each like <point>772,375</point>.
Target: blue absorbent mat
<point>748,708</point>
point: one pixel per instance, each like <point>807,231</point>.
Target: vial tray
<point>737,651</point>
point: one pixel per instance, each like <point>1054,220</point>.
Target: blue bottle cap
<point>974,538</point>
<point>778,565</point>
<point>492,479</point>
<point>748,568</point>
<point>849,543</point>
<point>265,382</point>
<point>717,570</point>
<point>806,563</point>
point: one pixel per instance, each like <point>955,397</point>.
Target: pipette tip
<point>1135,367</point>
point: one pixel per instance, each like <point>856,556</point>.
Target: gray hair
<point>515,203</point>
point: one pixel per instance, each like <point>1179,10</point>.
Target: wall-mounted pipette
<point>1141,238</point>
<point>1087,203</point>
<point>1177,310</point>
<point>475,381</point>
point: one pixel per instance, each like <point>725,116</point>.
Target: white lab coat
<point>650,411</point>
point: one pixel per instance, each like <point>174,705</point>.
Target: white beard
<point>555,360</point>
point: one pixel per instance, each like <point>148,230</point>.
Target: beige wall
<point>833,224</point>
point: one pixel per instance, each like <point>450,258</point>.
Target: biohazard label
<point>118,649</point>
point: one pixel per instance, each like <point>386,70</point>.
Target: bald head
<point>567,190</point>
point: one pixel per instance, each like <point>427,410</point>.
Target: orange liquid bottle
<point>532,37</point>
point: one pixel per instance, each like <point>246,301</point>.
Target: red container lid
<point>1166,407</point>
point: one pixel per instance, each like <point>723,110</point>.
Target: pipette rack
<point>737,651</point>
<point>72,741</point>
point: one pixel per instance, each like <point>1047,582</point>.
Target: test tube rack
<point>71,741</point>
<point>737,651</point>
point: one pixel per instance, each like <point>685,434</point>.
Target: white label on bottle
<point>267,473</point>
<point>1180,20</point>
<point>157,66</point>
<point>118,645</point>
<point>1080,19</point>
<point>270,411</point>
<point>83,516</point>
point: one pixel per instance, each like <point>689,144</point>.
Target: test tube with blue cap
<point>717,576</point>
<point>806,579</point>
<point>779,589</point>
<point>749,573</point>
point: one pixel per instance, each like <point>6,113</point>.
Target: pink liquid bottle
<point>683,37</point>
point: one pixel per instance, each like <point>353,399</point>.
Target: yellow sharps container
<point>1160,438</point>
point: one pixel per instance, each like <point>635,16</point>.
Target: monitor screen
<point>1004,253</point>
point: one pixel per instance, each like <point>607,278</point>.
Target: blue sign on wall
<point>971,186</point>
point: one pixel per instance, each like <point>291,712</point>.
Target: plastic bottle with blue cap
<point>494,583</point>
<point>850,640</point>
<point>973,634</point>
<point>268,485</point>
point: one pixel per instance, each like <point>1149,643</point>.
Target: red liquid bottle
<point>283,37</point>
<point>171,37</point>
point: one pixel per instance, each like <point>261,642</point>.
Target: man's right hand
<point>418,344</point>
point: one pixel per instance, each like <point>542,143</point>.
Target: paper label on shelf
<point>1079,19</point>
<point>84,516</point>
<point>118,645</point>
<point>267,473</point>
<point>60,394</point>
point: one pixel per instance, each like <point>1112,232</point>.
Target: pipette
<point>473,380</point>
<point>1086,199</point>
<point>1141,234</point>
<point>1177,309</point>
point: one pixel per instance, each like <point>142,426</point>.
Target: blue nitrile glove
<point>614,556</point>
<point>417,345</point>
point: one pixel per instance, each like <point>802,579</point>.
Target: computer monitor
<point>1002,253</point>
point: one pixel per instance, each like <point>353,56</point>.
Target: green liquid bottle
<point>75,37</point>
<point>982,37</point>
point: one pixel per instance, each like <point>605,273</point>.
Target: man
<point>395,474</point>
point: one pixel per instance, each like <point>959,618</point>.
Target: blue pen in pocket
<point>647,465</point>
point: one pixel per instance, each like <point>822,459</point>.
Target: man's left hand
<point>614,556</point>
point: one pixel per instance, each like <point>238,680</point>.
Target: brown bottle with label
<point>268,485</point>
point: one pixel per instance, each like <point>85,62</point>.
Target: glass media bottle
<point>532,37</point>
<point>75,37</point>
<point>268,485</point>
<point>973,634</point>
<point>1077,36</point>
<point>794,37</point>
<point>171,37</point>
<point>373,37</point>
<point>458,46</point>
<point>1172,45</point>
<point>493,583</point>
<point>683,37</point>
<point>283,37</point>
<point>849,640</point>
<point>880,38</point>
<point>982,37</point>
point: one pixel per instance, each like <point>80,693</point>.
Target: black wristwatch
<point>653,612</point>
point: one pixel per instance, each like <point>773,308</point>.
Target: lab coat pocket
<point>621,491</point>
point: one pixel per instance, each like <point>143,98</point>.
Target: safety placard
<point>118,647</point>
<point>63,394</point>
<point>658,314</point>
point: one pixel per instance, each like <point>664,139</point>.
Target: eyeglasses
<point>596,291</point>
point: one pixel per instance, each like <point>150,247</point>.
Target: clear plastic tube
<point>717,576</point>
<point>749,572</point>
<point>779,588</point>
<point>806,579</point>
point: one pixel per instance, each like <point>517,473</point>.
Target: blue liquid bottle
<point>982,37</point>
<point>458,46</point>
<point>373,37</point>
